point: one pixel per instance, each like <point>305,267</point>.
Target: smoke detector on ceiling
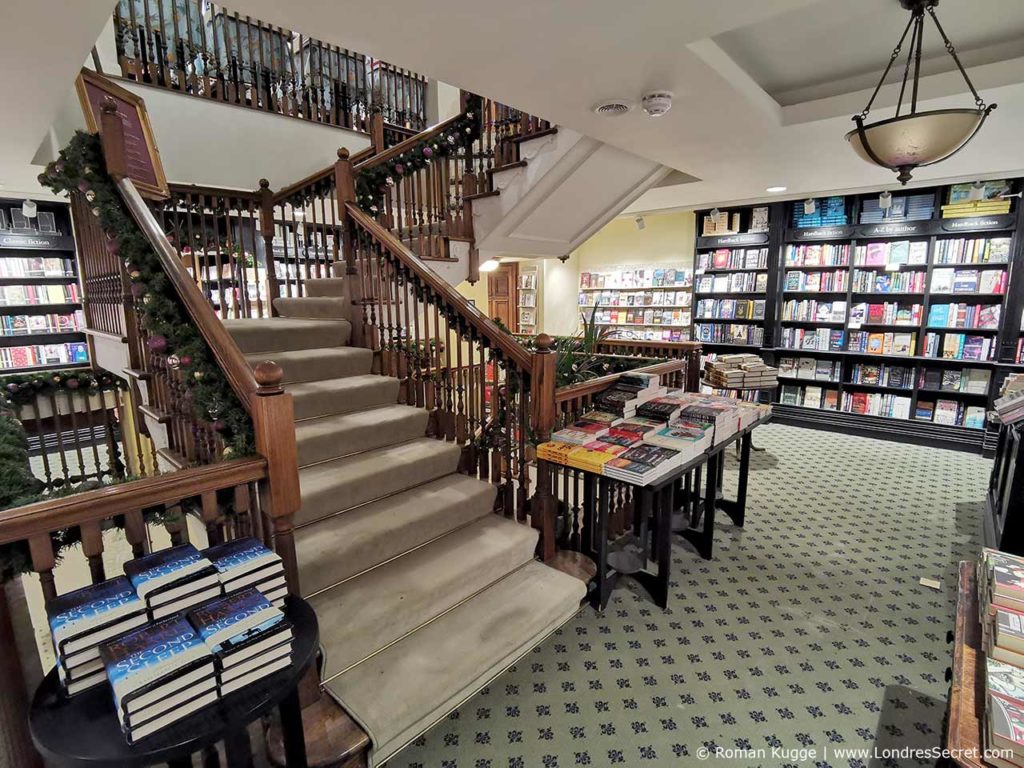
<point>657,103</point>
<point>613,107</point>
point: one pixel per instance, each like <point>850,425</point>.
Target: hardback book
<point>153,664</point>
<point>662,409</point>
<point>242,630</point>
<point>1004,720</point>
<point>244,562</point>
<point>643,464</point>
<point>580,432</point>
<point>172,580</point>
<point>991,281</point>
<point>81,620</point>
<point>690,438</point>
<point>812,397</point>
<point>945,412</point>
<point>601,417</point>
<point>942,280</point>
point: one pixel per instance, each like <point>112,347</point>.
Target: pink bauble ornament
<point>72,383</point>
<point>83,186</point>
<point>157,343</point>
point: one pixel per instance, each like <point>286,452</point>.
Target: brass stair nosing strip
<point>427,623</point>
<point>391,559</point>
<point>346,413</point>
<point>360,453</point>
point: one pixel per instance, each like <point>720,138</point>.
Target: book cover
<point>235,621</point>
<point>92,607</point>
<point>239,556</point>
<point>162,568</point>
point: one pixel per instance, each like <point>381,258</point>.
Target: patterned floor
<point>807,635</point>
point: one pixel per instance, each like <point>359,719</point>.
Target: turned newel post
<point>273,420</point>
<point>266,199</point>
<point>345,186</point>
<point>542,416</point>
<point>377,130</point>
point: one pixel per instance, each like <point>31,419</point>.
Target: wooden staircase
<point>423,593</point>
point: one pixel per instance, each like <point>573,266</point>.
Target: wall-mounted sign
<point>141,157</point>
<point>820,233</point>
<point>969,223</point>
<point>727,241</point>
<point>895,229</point>
<point>37,242</point>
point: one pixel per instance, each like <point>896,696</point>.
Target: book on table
<point>580,432</point>
<point>173,580</point>
<point>160,674</point>
<point>81,620</point>
<point>644,464</point>
<point>248,636</point>
<point>689,438</point>
<point>246,562</point>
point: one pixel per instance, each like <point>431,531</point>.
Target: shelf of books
<point>731,278</point>
<point>639,302</point>
<point>529,275</point>
<point>892,314</point>
<point>41,320</point>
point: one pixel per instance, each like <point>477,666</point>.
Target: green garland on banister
<point>171,332</point>
<point>373,182</point>
<point>23,388</point>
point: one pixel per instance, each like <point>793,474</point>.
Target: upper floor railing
<point>205,50</point>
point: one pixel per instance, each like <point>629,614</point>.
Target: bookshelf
<point>526,302</point>
<point>42,325</point>
<point>639,301</point>
<point>898,325</point>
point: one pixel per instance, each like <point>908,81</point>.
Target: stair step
<point>306,365</point>
<point>330,437</point>
<point>536,135</point>
<point>480,195</point>
<point>325,286</point>
<point>280,334</point>
<point>343,395</point>
<point>507,167</point>
<point>368,613</point>
<point>342,484</point>
<point>313,307</point>
<point>335,549</point>
<point>402,691</point>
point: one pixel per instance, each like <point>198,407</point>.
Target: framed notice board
<point>142,158</point>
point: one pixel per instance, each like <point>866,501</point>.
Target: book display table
<point>967,682</point>
<point>655,503</point>
<point>83,731</point>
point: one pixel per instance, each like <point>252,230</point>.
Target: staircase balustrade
<point>205,50</point>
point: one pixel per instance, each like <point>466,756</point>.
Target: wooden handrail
<point>313,178</point>
<point>593,386</point>
<point>229,357</point>
<point>501,339</point>
<point>22,523</point>
<point>401,147</point>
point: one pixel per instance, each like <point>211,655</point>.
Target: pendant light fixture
<point>913,139</point>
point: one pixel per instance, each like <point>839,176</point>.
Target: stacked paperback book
<point>663,434</point>
<point>743,371</point>
<point>1010,403</point>
<point>1001,609</point>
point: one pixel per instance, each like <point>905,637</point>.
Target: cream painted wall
<point>667,238</point>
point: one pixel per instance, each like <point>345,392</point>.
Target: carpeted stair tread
<point>402,691</point>
<point>278,334</point>
<point>344,395</point>
<point>305,365</point>
<point>342,546</point>
<point>330,437</point>
<point>347,482</point>
<point>313,307</point>
<point>326,286</point>
<point>367,613</point>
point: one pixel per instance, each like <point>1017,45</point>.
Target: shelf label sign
<point>896,228</point>
<point>748,238</point>
<point>36,242</point>
<point>822,233</point>
<point>977,222</point>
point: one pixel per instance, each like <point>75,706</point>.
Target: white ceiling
<point>764,90</point>
<point>43,44</point>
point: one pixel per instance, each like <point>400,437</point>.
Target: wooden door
<point>502,284</point>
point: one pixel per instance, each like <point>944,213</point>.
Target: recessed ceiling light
<point>776,189</point>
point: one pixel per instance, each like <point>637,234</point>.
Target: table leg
<point>603,584</point>
<point>736,509</point>
<point>703,539</point>
<point>292,731</point>
<point>238,749</point>
<point>695,498</point>
<point>663,545</point>
<point>587,532</point>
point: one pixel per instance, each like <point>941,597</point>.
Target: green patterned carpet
<point>807,634</point>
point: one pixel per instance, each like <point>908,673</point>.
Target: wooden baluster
<point>419,347</point>
<point>484,461</point>
<point>542,403</point>
<point>246,521</point>
<point>448,420</point>
<point>522,424</point>
<point>407,289</point>
<point>135,532</point>
<point>38,419</point>
<point>471,399</point>
<point>273,417</point>
<point>92,547</point>
<point>266,203</point>
<point>58,433</point>
<point>211,517</point>
<point>43,562</point>
<point>460,404</point>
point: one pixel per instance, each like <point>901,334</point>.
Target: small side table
<point>83,731</point>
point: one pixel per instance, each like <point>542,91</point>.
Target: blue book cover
<point>240,556</point>
<point>164,567</point>
<point>143,659</point>
<point>233,621</point>
<point>91,607</point>
<point>938,315</point>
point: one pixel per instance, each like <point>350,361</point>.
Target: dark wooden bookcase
<point>1006,338</point>
<point>37,261</point>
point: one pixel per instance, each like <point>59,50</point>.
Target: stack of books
<point>661,409</point>
<point>1010,403</point>
<point>644,464</point>
<point>583,431</point>
<point>159,674</point>
<point>247,563</point>
<point>1001,612</point>
<point>630,391</point>
<point>173,580</point>
<point>984,199</point>
<point>719,413</point>
<point>744,371</point>
<point>828,212</point>
<point>689,438</point>
<point>901,208</point>
<point>81,620</point>
<point>249,638</point>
